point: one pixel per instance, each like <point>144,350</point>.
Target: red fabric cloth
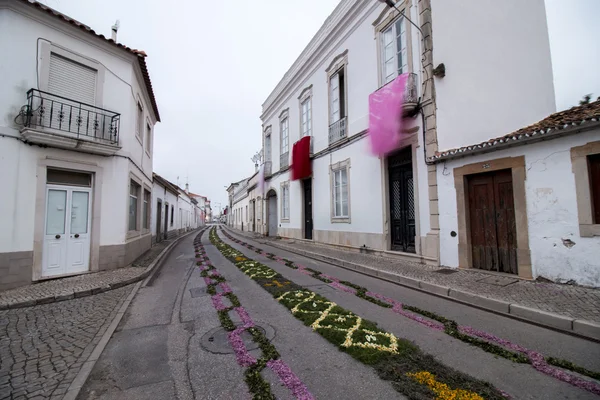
<point>301,166</point>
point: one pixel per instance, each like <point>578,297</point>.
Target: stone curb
<point>88,365</point>
<point>95,290</point>
<point>586,329</point>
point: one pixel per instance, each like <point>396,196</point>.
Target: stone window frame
<point>148,189</point>
<point>387,17</point>
<point>305,95</point>
<point>461,174</point>
<point>339,62</point>
<point>285,188</point>
<point>149,137</point>
<point>46,48</point>
<point>267,133</point>
<point>344,164</point>
<point>132,233</point>
<point>284,116</point>
<point>581,172</point>
<point>139,120</point>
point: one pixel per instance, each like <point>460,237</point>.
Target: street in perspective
<point>332,199</point>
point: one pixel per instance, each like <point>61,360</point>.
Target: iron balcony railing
<point>284,160</point>
<point>411,92</point>
<point>268,168</point>
<point>337,130</point>
<point>47,110</point>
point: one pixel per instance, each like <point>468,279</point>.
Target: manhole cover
<point>198,292</point>
<point>498,280</point>
<point>446,271</point>
<point>216,341</point>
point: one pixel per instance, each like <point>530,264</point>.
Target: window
<point>285,131</point>
<point>586,170</point>
<point>172,212</point>
<point>148,138</point>
<point>134,193</point>
<point>70,79</point>
<point>140,121</point>
<point>394,56</point>
<point>306,117</point>
<point>594,168</point>
<point>337,107</point>
<point>285,201</point>
<point>246,213</point>
<point>268,147</point>
<point>146,209</point>
<point>340,191</point>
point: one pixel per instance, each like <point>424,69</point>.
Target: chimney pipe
<point>114,29</point>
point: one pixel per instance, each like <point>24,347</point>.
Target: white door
<point>67,231</point>
<point>273,216</point>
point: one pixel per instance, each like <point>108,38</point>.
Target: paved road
<point>43,347</point>
<point>170,344</point>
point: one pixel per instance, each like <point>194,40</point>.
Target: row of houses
<point>487,176</point>
<point>77,117</point>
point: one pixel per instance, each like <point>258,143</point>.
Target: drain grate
<point>446,271</point>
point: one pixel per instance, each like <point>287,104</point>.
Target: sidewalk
<point>82,285</point>
<point>566,307</point>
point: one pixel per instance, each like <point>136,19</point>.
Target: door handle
<point>76,235</point>
<point>57,237</point>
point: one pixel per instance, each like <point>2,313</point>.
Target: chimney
<point>115,28</point>
<point>187,188</point>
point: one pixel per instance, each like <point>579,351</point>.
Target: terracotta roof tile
<point>141,55</point>
<point>554,125</point>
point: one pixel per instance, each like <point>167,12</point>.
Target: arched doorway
<point>272,221</point>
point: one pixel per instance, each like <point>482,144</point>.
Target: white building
<point>77,116</point>
<point>238,204</point>
<point>176,211</point>
<point>470,79</point>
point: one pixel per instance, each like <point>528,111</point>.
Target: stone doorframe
<point>40,210</point>
<point>517,167</point>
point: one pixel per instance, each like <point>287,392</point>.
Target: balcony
<point>284,160</point>
<point>61,122</point>
<point>411,94</point>
<point>337,131</point>
<point>268,169</point>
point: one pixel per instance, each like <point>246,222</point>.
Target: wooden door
<point>308,218</point>
<point>492,222</point>
<point>402,204</point>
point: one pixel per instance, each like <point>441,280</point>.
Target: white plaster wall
<point>240,213</point>
<point>551,211</point>
<point>498,68</point>
<point>17,206</point>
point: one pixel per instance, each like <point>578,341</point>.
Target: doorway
<point>492,221</point>
<point>67,238</point>
<point>166,233</point>
<point>272,214</point>
<point>158,220</point>
<point>402,201</point>
<point>308,215</point>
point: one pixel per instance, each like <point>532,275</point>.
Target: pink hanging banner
<point>385,116</point>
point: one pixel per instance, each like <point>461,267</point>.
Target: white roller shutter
<point>72,80</point>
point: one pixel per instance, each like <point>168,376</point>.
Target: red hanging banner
<point>301,166</point>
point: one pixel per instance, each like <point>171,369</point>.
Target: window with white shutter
<point>72,80</point>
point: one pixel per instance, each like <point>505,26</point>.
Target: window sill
<point>340,220</point>
<point>132,234</point>
<point>589,230</point>
<point>285,220</point>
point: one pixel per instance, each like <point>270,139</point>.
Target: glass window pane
<point>133,214</point>
<point>345,208</point>
<point>71,178</point>
<point>79,212</point>
<point>145,217</point>
<point>55,215</point>
<point>344,176</point>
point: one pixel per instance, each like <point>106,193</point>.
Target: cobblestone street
<point>42,348</point>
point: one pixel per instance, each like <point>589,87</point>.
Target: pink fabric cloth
<point>385,116</point>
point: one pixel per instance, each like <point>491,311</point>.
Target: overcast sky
<point>214,62</point>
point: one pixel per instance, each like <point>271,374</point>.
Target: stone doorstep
<point>587,329</point>
<point>95,290</point>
